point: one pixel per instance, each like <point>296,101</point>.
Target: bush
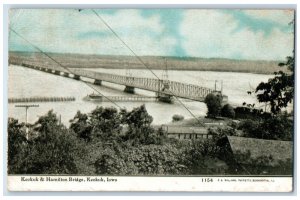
<point>200,157</point>
<point>214,104</point>
<point>228,111</point>
<point>141,160</point>
<point>278,127</point>
<point>110,163</point>
<point>251,128</point>
<point>177,118</point>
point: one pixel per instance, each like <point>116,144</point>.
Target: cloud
<point>171,20</point>
<point>174,32</point>
<point>82,32</point>
<point>211,33</point>
<point>146,35</point>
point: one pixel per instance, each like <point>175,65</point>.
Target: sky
<point>214,33</point>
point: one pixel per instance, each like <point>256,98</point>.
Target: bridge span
<point>164,89</point>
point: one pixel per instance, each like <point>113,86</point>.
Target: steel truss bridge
<point>163,88</point>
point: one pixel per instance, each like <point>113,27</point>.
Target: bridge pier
<point>165,98</point>
<point>97,82</point>
<point>66,74</point>
<point>129,89</point>
<point>56,72</point>
<point>76,77</point>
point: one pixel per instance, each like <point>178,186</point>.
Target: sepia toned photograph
<point>99,95</point>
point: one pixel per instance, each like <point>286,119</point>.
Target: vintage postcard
<point>197,100</point>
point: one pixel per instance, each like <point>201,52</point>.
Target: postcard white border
<point>117,183</point>
<point>57,3</point>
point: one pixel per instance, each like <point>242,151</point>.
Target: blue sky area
<point>234,34</point>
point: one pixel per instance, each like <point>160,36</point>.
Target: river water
<point>24,82</point>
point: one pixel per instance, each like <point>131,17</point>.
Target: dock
<point>133,98</point>
<point>40,99</point>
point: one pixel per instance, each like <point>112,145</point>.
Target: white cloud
<point>59,31</point>
<point>143,35</point>
<point>211,33</point>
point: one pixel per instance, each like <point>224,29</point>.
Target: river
<point>24,82</point>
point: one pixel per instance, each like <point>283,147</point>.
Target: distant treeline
<point>154,62</point>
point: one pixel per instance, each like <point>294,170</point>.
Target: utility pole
<point>26,112</point>
<point>216,85</point>
<point>222,87</point>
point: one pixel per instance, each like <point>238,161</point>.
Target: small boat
<point>95,97</point>
<point>165,98</point>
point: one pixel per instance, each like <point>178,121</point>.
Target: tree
<point>17,145</point>
<point>138,117</point>
<point>214,104</point>
<point>139,127</point>
<point>81,126</point>
<point>46,124</point>
<point>228,111</point>
<point>106,122</point>
<point>52,151</point>
<point>278,91</point>
<point>177,118</point>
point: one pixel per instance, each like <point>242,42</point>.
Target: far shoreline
<point>198,70</point>
<point>155,62</point>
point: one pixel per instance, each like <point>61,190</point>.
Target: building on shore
<point>186,132</point>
